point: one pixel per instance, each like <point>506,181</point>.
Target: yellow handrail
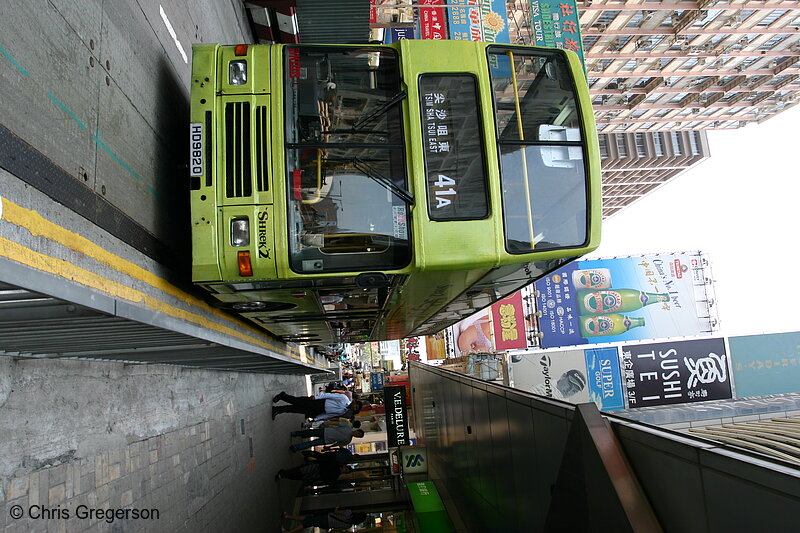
<point>318,198</point>
<point>524,155</point>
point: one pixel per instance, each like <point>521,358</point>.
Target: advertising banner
<point>394,398</point>
<point>623,299</point>
<point>436,345</point>
<point>474,334</point>
<point>494,17</point>
<point>412,348</point>
<point>376,381</point>
<point>676,372</point>
<point>508,321</point>
<point>432,20</point>
<point>556,24</point>
<point>575,376</point>
<point>395,34</point>
<point>605,378</point>
<point>559,375</point>
<point>766,364</point>
<point>464,21</point>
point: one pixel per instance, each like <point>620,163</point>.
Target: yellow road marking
<point>40,226</point>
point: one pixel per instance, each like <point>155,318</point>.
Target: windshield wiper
<point>374,175</point>
<point>380,110</point>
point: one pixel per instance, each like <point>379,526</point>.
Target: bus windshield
<point>540,139</point>
<point>348,197</point>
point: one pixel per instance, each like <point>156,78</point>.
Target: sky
<point>742,207</point>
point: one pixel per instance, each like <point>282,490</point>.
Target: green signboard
<point>428,508</point>
<point>556,24</point>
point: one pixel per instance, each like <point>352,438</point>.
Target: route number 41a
<point>443,190</point>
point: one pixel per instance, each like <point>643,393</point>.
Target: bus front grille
<point>238,177</point>
<point>262,164</point>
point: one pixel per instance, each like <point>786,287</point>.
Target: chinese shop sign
<point>556,24</point>
<point>432,20</point>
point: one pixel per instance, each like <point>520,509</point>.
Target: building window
<point>658,143</point>
<point>641,145</point>
<point>694,142</point>
<point>622,146</point>
<point>603,140</point>
<point>677,143</point>
<point>772,17</point>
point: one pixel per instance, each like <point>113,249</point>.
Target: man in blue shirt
<point>320,407</point>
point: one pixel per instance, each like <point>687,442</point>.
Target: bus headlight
<point>237,72</point>
<point>240,232</point>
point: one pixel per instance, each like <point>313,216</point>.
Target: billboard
<point>574,376</point>
<point>474,334</point>
<point>676,372</point>
<point>604,378</point>
<point>473,20</point>
<point>624,299</point>
<point>508,322</point>
<point>766,364</point>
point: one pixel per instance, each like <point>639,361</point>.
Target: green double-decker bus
<point>352,193</point>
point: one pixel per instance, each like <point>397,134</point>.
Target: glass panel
<point>454,155</point>
<point>545,95</point>
<point>556,187</point>
<point>339,95</point>
<point>345,162</point>
<point>541,151</point>
<point>356,299</point>
<point>343,215</point>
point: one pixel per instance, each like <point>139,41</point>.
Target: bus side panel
<point>592,152</point>
<point>460,244</point>
<point>423,296</point>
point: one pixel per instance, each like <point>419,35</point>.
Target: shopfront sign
<point>394,399</point>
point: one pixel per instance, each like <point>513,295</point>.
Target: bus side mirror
<point>372,280</point>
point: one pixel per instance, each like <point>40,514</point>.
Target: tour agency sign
<point>676,372</point>
<point>394,399</point>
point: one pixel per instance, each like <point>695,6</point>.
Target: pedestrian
<point>341,518</point>
<point>334,432</point>
<point>340,456</point>
<point>321,473</point>
<point>325,405</point>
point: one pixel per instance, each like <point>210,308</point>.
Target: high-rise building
<point>635,164</point>
<point>678,67</point>
<point>690,65</point>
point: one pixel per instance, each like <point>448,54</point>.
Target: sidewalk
<point>167,448</point>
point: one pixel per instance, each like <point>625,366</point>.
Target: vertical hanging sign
<point>556,24</point>
<point>394,399</point>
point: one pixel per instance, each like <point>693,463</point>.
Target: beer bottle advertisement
<point>626,298</point>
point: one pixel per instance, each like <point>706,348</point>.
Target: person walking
<point>324,405</point>
<point>334,432</point>
<point>341,518</point>
<point>323,473</point>
<point>340,456</point>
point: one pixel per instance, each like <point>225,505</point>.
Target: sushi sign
<point>676,372</point>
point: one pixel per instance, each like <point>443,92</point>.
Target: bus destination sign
<point>454,155</point>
